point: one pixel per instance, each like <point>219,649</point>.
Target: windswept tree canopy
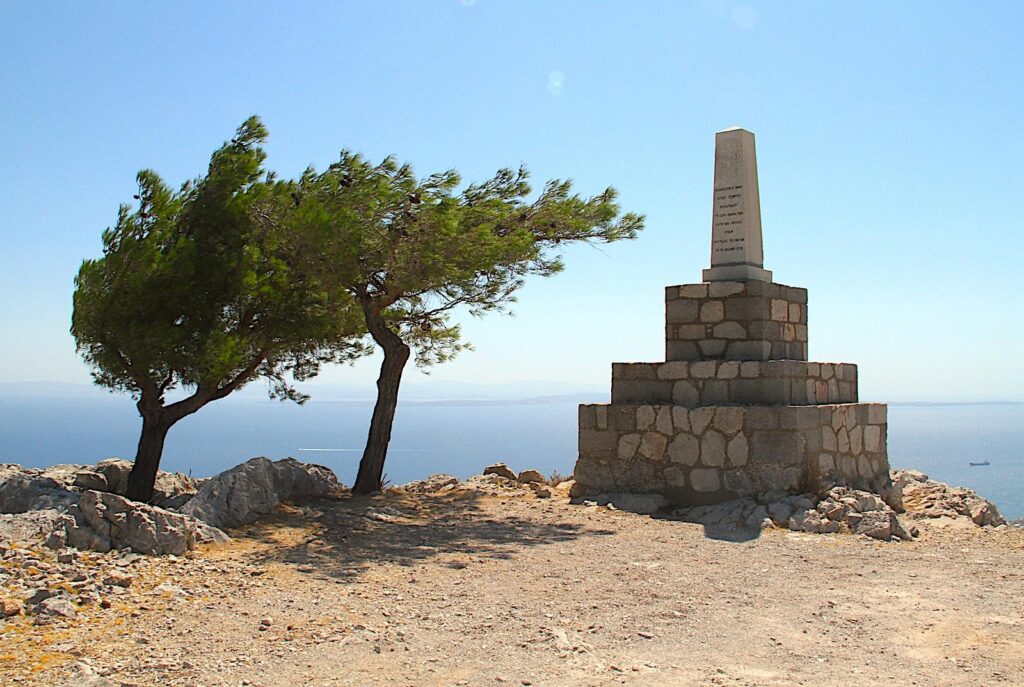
<point>411,251</point>
<point>417,249</point>
<point>208,287</point>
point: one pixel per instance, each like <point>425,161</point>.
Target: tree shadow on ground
<point>343,538</point>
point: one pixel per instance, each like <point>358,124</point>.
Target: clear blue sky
<point>889,144</point>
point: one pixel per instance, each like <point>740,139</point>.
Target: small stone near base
<point>530,476</point>
<point>501,470</point>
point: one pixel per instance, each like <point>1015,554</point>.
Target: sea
<point>458,437</point>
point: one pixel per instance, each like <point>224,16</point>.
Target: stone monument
<point>736,249</point>
<point>736,409</point>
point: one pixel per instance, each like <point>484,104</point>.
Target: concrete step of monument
<point>735,321</point>
<point>731,382</point>
<point>716,453</point>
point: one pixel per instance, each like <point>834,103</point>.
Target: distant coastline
<point>432,393</point>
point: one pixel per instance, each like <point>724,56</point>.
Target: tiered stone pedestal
<point>719,422</point>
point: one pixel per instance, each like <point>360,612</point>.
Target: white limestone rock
<point>29,526</point>
<point>245,492</point>
<point>432,485</point>
<point>530,477</point>
<point>501,470</point>
<point>926,498</point>
<point>102,521</point>
<point>27,489</point>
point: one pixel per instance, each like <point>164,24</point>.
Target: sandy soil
<point>474,589</point>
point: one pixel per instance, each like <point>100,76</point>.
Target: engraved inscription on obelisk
<point>736,250</point>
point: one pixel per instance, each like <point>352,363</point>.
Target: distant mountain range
<point>430,392</point>
<point>422,392</point>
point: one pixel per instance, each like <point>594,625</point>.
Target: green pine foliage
<point>208,287</point>
<point>414,250</point>
<point>411,251</point>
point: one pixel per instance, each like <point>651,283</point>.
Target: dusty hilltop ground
<point>491,585</point>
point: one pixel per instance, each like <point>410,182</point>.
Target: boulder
<point>115,471</point>
<point>10,607</point>
<point>813,521</point>
<point>89,479</point>
<point>33,525</point>
<point>530,476</point>
<point>876,524</point>
<point>171,489</point>
<point>59,486</point>
<point>57,605</point>
<point>779,512</point>
<point>541,490</point>
<point>174,489</point>
<point>102,521</point>
<point>432,484</point>
<point>984,512</point>
<point>565,487</point>
<point>501,470</point>
<point>245,492</point>
<point>838,510</point>
<point>27,489</point>
<point>493,484</point>
<point>926,498</point>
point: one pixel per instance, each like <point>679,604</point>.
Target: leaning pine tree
<point>411,251</point>
<point>204,289</point>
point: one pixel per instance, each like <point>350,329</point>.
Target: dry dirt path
<point>476,589</point>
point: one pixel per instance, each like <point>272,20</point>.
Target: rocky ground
<point>492,582</point>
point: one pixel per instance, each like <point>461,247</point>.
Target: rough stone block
<point>691,332</point>
<point>628,444</point>
<point>712,311</point>
<point>712,348</point>
<point>652,446</point>
<point>685,394</point>
<point>729,330</point>
<point>681,310</point>
<point>720,289</point>
<point>712,449</point>
<point>622,418</point>
<point>736,313</point>
<point>715,392</point>
<point>738,451</point>
<point>673,370</point>
<point>759,417</point>
<point>693,291</point>
<point>681,350</point>
<point>684,449</point>
<point>712,453</point>
<point>587,417</point>
<point>782,447</point>
<point>598,443</point>
<point>705,479</point>
<point>700,418</point>
<point>641,391</point>
<point>728,419</point>
<point>729,369</point>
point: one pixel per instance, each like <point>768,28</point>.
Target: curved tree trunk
<point>396,355</point>
<point>142,478</point>
<point>157,419</point>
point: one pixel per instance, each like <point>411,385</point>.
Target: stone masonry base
<point>711,454</point>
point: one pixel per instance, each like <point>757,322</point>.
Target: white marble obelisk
<point>736,250</point>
